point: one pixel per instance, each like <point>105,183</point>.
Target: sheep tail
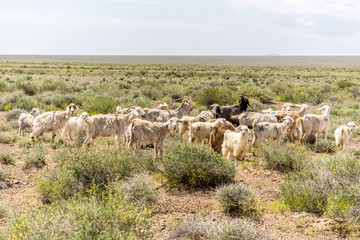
<point>254,123</point>
<point>299,122</point>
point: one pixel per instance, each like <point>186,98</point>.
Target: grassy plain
<point>302,193</point>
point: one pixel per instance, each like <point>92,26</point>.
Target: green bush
<point>6,158</point>
<point>237,198</point>
<point>283,157</point>
<point>7,138</point>
<point>96,216</point>
<point>28,87</point>
<point>323,146</point>
<point>36,158</point>
<point>201,228</point>
<point>212,95</point>
<point>25,102</point>
<point>326,185</point>
<point>4,174</point>
<point>80,168</point>
<point>100,104</point>
<point>24,142</point>
<point>4,210</point>
<point>139,189</point>
<point>229,231</point>
<point>14,114</point>
<point>195,166</point>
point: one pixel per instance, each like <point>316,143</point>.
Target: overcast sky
<point>180,27</point>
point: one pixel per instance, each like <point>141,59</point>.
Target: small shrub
<point>100,104</point>
<point>3,178</point>
<point>283,157</point>
<point>325,185</point>
<point>235,231</point>
<point>36,158</point>
<point>96,216</point>
<point>6,158</point>
<point>13,114</point>
<point>213,95</point>
<point>7,138</point>
<point>3,174</point>
<point>195,166</point>
<point>323,146</point>
<point>201,228</point>
<point>139,189</point>
<point>80,168</point>
<point>4,210</point>
<point>237,198</point>
<point>24,143</point>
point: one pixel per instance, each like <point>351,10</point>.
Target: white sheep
<point>343,134</point>
<point>26,120</point>
<point>52,121</point>
<point>158,115</point>
<point>110,125</point>
<point>235,144</point>
<point>146,132</point>
<point>75,126</point>
<point>264,130</point>
<point>186,120</point>
<point>200,131</point>
<point>314,124</point>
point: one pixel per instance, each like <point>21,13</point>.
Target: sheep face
<point>72,108</point>
<point>173,123</point>
<point>288,120</point>
<point>352,126</point>
<point>244,130</point>
<point>187,105</point>
<point>84,116</point>
<point>140,112</point>
<point>35,112</point>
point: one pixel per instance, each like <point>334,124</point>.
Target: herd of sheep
<point>225,128</point>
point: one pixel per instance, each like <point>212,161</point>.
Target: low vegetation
<point>95,216</point>
<point>283,157</point>
<point>327,185</point>
<point>237,199</point>
<point>195,166</point>
<point>102,192</point>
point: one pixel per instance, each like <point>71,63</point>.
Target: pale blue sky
<point>183,27</point>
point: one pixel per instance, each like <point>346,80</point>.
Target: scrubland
<point>62,190</point>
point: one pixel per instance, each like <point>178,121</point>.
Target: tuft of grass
<point>202,228</point>
<point>195,166</point>
<point>4,209</point>
<point>95,216</point>
<point>326,185</point>
<point>80,168</point>
<point>36,158</point>
<point>283,157</point>
<point>139,189</point>
<point>7,138</point>
<point>24,143</point>
<point>323,146</point>
<point>238,199</point>
<point>3,178</point>
<point>7,158</point>
<point>13,114</point>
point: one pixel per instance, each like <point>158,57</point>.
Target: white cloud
<point>151,2</point>
<point>348,9</point>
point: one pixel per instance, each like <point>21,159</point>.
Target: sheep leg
<point>225,152</point>
<point>20,133</point>
<point>36,133</point>
<point>53,136</point>
<point>254,141</point>
<point>87,140</point>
